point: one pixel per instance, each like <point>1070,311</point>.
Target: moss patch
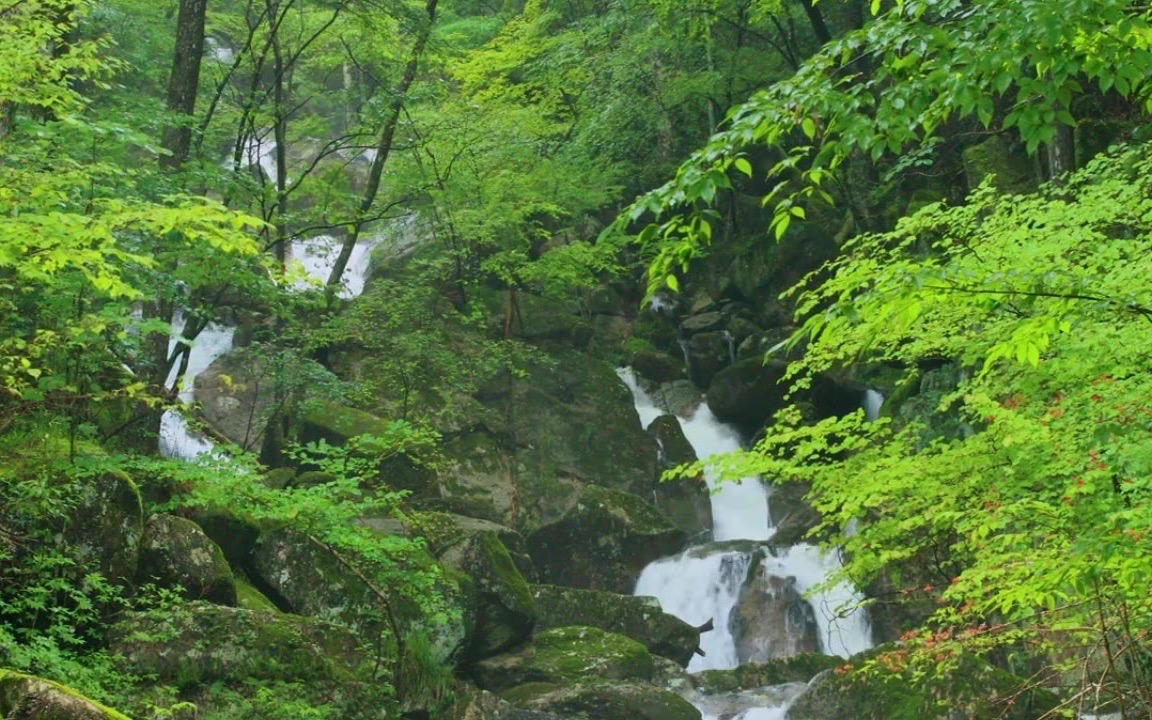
<point>27,696</point>
<point>566,655</point>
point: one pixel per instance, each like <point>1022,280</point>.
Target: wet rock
<point>771,619</point>
<point>603,542</point>
<point>603,701</point>
<point>685,501</point>
<point>707,353</point>
<point>679,397</point>
<point>27,697</point>
<point>791,514</point>
<point>475,704</point>
<point>175,553</point>
<point>639,618</point>
<point>703,322</point>
<point>658,367</point>
<point>237,396</point>
<point>748,393</point>
<point>797,668</point>
<point>105,526</point>
<point>567,655</point>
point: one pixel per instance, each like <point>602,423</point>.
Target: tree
<point>184,80</point>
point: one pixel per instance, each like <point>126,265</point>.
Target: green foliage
<point>1008,65</point>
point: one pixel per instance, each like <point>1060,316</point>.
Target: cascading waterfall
<point>704,582</point>
<point>318,255</point>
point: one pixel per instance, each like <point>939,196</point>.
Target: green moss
<point>249,598</point>
<point>50,700</point>
<point>343,422</point>
<point>798,668</point>
<point>509,585</point>
<point>585,652</point>
<point>599,700</point>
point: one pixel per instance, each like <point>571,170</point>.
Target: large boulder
<point>105,525</point>
<point>238,396</point>
<point>603,542</point>
<point>200,643</point>
<point>748,393</point>
<point>567,655</point>
<point>475,704</point>
<point>315,579</point>
<point>796,668</point>
<point>771,619</point>
<point>639,618</point>
<point>26,697</point>
<point>175,553</point>
<point>603,701</point>
<point>967,689</point>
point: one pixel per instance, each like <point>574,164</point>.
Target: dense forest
<point>427,492</point>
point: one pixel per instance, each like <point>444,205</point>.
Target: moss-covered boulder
<point>201,642</point>
<point>748,393</point>
<point>175,553</point>
<point>316,580</point>
<point>474,704</point>
<point>337,423</point>
<point>27,697</point>
<point>1004,158</point>
<point>971,690</point>
<point>798,668</point>
<point>603,542</point>
<point>105,525</point>
<point>566,655</point>
<point>639,618</point>
<point>603,701</point>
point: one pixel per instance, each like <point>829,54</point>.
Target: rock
<point>26,697</point>
<point>707,353</point>
<point>679,397</point>
<point>685,501</point>
<point>201,643</point>
<point>547,321</point>
<point>658,367</point>
<point>337,424</point>
<point>175,553</point>
<point>315,580</point>
<point>770,618</point>
<point>475,704</point>
<point>791,514</point>
<point>479,479</point>
<point>748,393</point>
<point>703,322</point>
<point>237,396</point>
<point>639,618</point>
<point>105,525</point>
<point>249,598</point>
<point>603,542</point>
<point>603,701</point>
<point>797,668</point>
<point>567,655</point>
<point>972,690</point>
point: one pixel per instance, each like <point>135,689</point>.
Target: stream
<point>704,582</point>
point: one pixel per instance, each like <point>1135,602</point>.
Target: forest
<point>395,265</point>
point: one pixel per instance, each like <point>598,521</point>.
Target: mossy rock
<point>1003,158</point>
<point>686,501</point>
<point>603,542</point>
<point>200,643</point>
<point>639,618</point>
<point>972,690</point>
<point>175,553</point>
<point>603,701</point>
<point>566,655</point>
<point>237,396</point>
<point>337,423</point>
<point>27,697</point>
<point>798,668</point>
<point>105,526</point>
<point>474,704</point>
<point>313,579</point>
<point>249,598</point>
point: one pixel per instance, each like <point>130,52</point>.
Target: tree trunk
<point>184,82</point>
<point>816,19</point>
<point>383,149</point>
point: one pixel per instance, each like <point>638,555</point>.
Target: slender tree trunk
<point>184,82</point>
<point>816,19</point>
<point>383,149</point>
<point>280,133</point>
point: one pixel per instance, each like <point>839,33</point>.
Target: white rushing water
<point>317,255</point>
<point>703,583</point>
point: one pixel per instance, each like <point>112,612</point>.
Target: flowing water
<point>703,583</point>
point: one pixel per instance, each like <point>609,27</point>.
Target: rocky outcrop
<point>26,697</point>
<point>200,643</point>
<point>603,542</point>
<point>771,619</point>
<point>603,701</point>
<point>639,618</point>
<point>685,501</point>
<point>567,655</point>
<point>237,396</point>
<point>104,526</point>
<point>316,580</point>
<point>175,553</point>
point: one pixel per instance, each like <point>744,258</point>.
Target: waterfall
<point>704,582</point>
